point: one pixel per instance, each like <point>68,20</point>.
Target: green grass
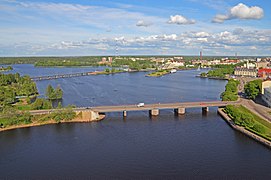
<point>250,121</point>
<point>24,107</point>
<point>257,118</point>
<point>158,73</point>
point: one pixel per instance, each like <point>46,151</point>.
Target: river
<point>195,145</point>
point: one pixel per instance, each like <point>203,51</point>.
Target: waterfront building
<point>173,64</point>
<point>240,71</point>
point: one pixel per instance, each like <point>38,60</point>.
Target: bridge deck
<point>120,108</point>
<point>161,106</point>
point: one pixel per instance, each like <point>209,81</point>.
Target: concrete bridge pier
<point>180,111</point>
<point>124,113</point>
<point>88,115</point>
<point>205,109</point>
<point>154,112</point>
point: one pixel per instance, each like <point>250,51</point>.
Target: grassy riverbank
<point>56,118</point>
<point>12,117</point>
<point>158,73</point>
<point>250,121</point>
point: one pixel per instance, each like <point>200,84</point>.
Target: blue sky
<point>134,27</point>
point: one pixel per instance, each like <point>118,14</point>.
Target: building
<point>266,84</point>
<point>110,59</point>
<point>262,65</point>
<point>104,59</point>
<point>178,58</point>
<point>240,71</point>
<point>171,64</point>
<point>266,97</point>
<point>265,72</point>
<point>230,61</point>
<point>266,92</point>
<point>249,65</point>
<point>258,59</point>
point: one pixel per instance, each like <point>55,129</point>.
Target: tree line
<point>231,91</point>
<point>12,85</point>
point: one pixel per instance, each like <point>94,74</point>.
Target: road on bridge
<point>120,108</point>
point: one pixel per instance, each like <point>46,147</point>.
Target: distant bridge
<point>59,76</point>
<point>153,109</point>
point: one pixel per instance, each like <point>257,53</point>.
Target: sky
<point>135,27</point>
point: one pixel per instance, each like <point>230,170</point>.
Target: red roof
<point>264,70</point>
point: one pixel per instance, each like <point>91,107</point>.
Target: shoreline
<point>51,122</point>
<point>243,130</point>
<point>216,78</point>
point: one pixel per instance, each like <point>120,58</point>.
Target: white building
<point>249,65</point>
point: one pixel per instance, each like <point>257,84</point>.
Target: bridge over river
<point>178,107</point>
<point>59,76</point>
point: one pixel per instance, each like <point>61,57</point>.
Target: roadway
<point>134,107</point>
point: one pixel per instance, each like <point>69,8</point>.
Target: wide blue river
<point>195,145</point>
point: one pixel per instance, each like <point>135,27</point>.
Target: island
<point>158,73</point>
<point>7,68</point>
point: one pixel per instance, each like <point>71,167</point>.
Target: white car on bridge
<point>140,105</point>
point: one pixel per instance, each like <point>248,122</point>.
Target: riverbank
<point>216,78</point>
<point>50,122</point>
<point>242,129</point>
<point>158,73</point>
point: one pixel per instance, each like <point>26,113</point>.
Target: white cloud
<point>220,43</point>
<point>141,23</point>
<point>202,34</point>
<point>180,20</point>
<point>240,11</point>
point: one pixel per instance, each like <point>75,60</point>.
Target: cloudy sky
<point>134,27</point>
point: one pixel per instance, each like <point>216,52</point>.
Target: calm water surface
<point>195,145</point>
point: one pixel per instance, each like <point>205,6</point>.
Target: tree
<point>53,94</point>
<point>38,104</point>
<point>50,92</point>
<point>59,105</point>
<point>58,93</point>
<point>107,70</point>
<point>41,104</point>
<point>47,104</point>
<point>253,89</point>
